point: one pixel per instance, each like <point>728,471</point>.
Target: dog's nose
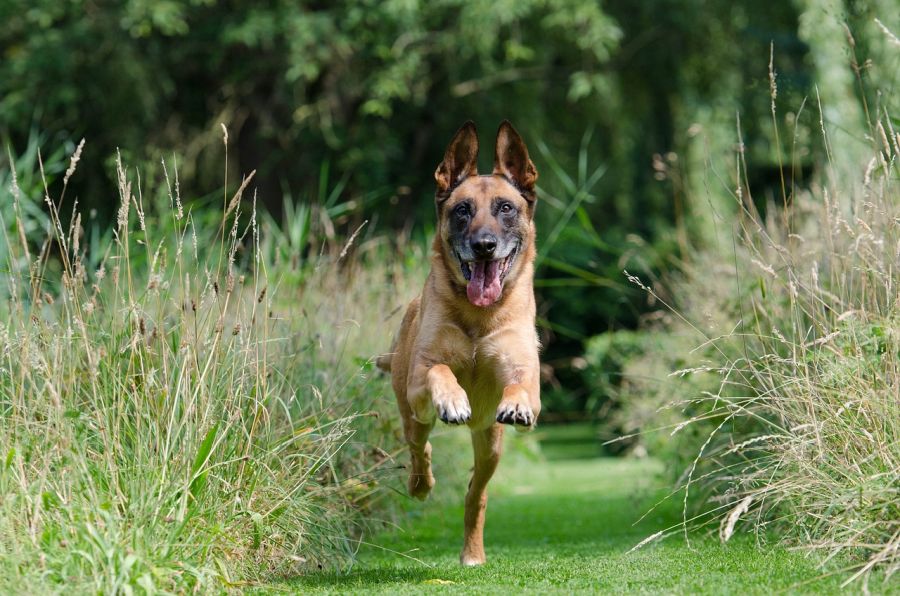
<point>484,245</point>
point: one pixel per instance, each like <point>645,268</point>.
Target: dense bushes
<point>362,97</point>
<point>182,410</point>
<point>769,377</point>
<point>783,362</point>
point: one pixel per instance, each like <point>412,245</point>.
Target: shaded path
<point>566,526</point>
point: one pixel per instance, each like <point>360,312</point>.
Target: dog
<point>467,348</point>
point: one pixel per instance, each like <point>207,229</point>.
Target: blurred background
<point>633,112</point>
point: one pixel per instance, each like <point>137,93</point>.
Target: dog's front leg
<point>434,390</point>
<point>521,401</point>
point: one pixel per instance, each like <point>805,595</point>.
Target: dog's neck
<point>517,296</point>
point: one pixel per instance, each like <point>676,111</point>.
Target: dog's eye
<point>506,208</point>
<point>462,210</point>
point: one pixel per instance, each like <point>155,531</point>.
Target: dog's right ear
<point>460,159</point>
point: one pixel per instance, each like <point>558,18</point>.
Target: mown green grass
<point>565,526</point>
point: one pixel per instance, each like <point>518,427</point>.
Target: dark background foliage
<point>625,106</point>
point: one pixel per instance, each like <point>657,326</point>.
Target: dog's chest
<point>479,378</point>
<point>483,375</point>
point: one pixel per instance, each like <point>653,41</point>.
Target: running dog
<point>467,349</point>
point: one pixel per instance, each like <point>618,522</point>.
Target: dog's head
<point>486,223</point>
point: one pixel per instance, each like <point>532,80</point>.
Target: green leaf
<point>257,520</point>
<point>49,500</point>
<point>199,478</point>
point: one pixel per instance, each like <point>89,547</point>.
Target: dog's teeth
<point>466,270</point>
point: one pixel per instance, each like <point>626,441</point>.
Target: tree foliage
<point>630,110</point>
<point>373,87</point>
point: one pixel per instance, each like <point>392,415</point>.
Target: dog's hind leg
<point>421,480</point>
<point>487,446</point>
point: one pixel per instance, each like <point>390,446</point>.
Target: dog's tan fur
<point>476,365</point>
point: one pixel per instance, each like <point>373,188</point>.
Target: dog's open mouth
<point>486,278</point>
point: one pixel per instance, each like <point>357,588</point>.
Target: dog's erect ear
<point>460,159</point>
<point>511,160</point>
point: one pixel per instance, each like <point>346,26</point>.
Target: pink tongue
<point>484,285</point>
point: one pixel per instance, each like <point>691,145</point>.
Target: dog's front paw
<point>513,412</point>
<point>452,405</point>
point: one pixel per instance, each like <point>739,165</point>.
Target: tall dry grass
<point>175,417</point>
<point>791,403</point>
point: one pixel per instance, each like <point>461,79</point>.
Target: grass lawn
<point>566,525</point>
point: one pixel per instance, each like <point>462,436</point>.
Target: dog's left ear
<point>511,160</point>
